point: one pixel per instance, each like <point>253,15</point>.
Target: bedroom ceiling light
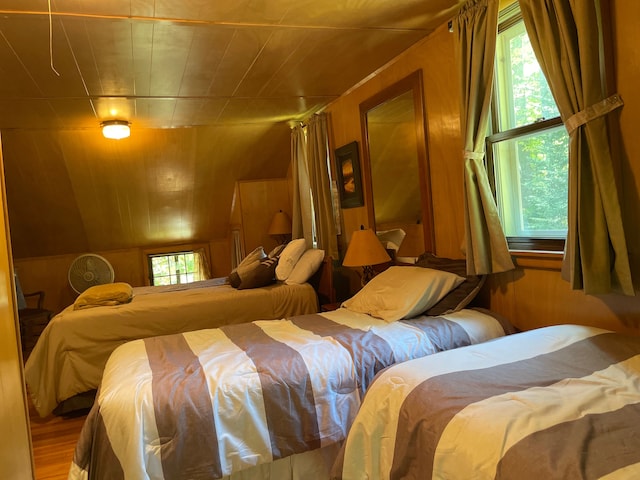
<point>365,250</point>
<point>115,129</point>
<point>280,227</point>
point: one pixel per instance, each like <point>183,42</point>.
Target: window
<point>528,149</point>
<point>175,268</point>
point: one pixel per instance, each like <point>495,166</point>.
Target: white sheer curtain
<point>302,216</point>
<point>312,199</point>
<point>202,259</point>
<point>237,252</point>
<point>320,182</point>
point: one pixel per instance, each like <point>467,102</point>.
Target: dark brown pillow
<point>249,262</point>
<point>261,275</point>
<point>463,294</point>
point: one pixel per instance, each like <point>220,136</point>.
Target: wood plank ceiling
<point>210,88</point>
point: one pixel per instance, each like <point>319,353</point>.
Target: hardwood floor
<point>54,441</point>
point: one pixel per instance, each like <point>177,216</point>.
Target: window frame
<point>509,17</point>
<point>171,250</point>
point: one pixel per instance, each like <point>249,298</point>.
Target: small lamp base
<point>367,274</point>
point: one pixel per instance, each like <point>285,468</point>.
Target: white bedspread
<point>560,402</point>
<point>205,404</point>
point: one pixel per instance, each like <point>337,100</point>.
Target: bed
<point>557,402</point>
<point>266,399</point>
<point>65,367</point>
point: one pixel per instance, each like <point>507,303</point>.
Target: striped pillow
<point>261,275</point>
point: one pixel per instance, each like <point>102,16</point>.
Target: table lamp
<point>365,250</point>
<point>280,227</point>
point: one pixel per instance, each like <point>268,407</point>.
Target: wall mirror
<point>398,192</point>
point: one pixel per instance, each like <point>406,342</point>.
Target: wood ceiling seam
<point>75,62</point>
<point>19,60</point>
<point>227,47</point>
<point>234,24</point>
<point>280,68</point>
<point>183,78</point>
<point>178,97</point>
<point>95,66</point>
<point>215,75</point>
<point>253,62</point>
<point>305,55</point>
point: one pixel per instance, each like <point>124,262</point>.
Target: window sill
<point>541,260</point>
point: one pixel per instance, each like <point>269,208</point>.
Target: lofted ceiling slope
<point>210,89</point>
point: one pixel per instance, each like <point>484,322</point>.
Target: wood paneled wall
<point>50,273</point>
<point>434,56</point>
<point>534,294</point>
<point>16,461</point>
<point>255,202</point>
<point>254,205</point>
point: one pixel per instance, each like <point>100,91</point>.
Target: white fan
<point>88,270</point>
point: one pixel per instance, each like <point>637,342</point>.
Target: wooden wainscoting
<point>535,295</point>
<point>54,441</point>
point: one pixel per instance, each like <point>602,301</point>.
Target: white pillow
<point>391,239</point>
<point>402,292</point>
<point>308,264</point>
<point>289,257</point>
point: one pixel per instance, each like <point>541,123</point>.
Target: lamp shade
<point>115,129</point>
<point>280,224</point>
<point>365,249</point>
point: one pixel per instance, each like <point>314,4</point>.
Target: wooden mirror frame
<point>411,83</point>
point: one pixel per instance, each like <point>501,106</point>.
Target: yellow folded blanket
<point>101,295</point>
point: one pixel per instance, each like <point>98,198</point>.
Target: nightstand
<point>32,323</point>
<point>328,307</point>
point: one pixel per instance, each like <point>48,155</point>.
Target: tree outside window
<point>528,149</point>
<point>174,268</point>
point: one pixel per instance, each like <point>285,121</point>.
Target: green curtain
<point>486,247</point>
<point>566,37</point>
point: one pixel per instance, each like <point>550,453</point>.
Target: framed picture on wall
<point>349,177</point>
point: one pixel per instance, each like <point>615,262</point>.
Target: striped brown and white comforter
<point>560,402</point>
<point>213,402</point>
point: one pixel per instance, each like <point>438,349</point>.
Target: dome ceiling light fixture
<point>115,129</point>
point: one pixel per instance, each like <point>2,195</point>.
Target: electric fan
<point>88,270</point>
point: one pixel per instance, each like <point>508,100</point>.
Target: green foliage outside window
<point>544,176</point>
<point>174,268</point>
<point>529,148</point>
